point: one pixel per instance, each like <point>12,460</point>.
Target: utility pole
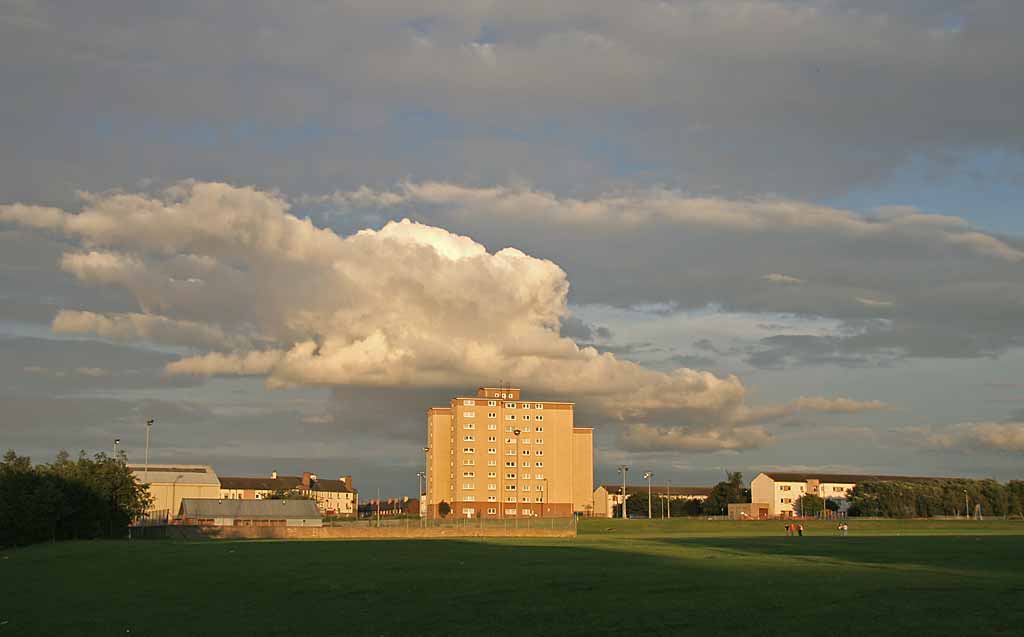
<point>623,469</point>
<point>668,499</point>
<point>650,503</point>
<point>117,441</point>
<point>519,505</point>
<point>149,425</point>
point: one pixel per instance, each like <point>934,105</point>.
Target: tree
<point>287,494</point>
<point>808,505</point>
<point>724,493</point>
<point>444,509</point>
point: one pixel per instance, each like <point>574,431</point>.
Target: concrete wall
<point>353,532</point>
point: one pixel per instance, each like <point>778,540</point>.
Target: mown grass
<point>632,577</point>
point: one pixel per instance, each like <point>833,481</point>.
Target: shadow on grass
<point>476,587</point>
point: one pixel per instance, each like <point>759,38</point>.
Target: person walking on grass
<point>800,530</point>
<point>845,529</point>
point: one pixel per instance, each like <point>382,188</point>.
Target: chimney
<point>273,475</point>
<point>306,476</point>
<point>347,480</point>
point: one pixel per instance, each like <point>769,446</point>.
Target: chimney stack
<point>306,476</point>
<point>273,475</point>
<point>347,480</point>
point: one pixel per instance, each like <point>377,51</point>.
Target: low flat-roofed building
<point>220,512</point>
<point>170,483</point>
<point>333,497</point>
<point>781,490</point>
<point>609,496</point>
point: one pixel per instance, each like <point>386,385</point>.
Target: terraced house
<point>333,497</point>
<point>497,455</point>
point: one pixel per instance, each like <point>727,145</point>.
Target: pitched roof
<point>846,478</point>
<point>248,509</point>
<point>283,483</point>
<point>175,474</point>
<point>657,489</point>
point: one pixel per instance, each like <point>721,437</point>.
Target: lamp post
<point>668,499</point>
<point>426,479</point>
<point>519,505</point>
<point>650,504</point>
<point>623,469</point>
<point>117,441</point>
<point>149,425</point>
<point>173,489</point>
<point>967,506</point>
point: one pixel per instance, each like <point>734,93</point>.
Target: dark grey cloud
<point>798,98</point>
<point>581,332</point>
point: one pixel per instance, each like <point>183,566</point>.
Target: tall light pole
<point>426,479</point>
<point>419,495</point>
<point>117,441</point>
<point>623,469</point>
<point>668,498</point>
<point>149,425</point>
<point>650,504</point>
<point>519,505</point>
<point>967,506</point>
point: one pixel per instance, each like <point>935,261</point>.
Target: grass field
<point>633,577</point>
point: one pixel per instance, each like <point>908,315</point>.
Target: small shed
<point>223,512</point>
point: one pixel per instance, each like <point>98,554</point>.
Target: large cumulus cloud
<point>256,290</point>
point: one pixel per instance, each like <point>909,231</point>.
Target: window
<point>526,441</point>
<point>492,463</point>
<point>492,415</point>
<point>510,476</point>
<point>510,417</point>
<point>524,406</point>
<point>510,511</point>
<point>539,498</point>
<point>538,441</point>
<point>510,452</point>
<point>526,498</point>
<point>492,426</point>
<point>468,486</point>
<point>469,425</point>
<point>503,395</point>
<point>526,452</point>
<point>538,464</point>
<point>510,441</point>
<point>526,416</point>
<point>468,450</point>
<point>492,451</point>
<point>839,489</point>
<point>492,487</point>
<point>469,474</point>
<point>492,439</point>
<point>468,512</point>
<point>469,402</point>
<point>468,498</point>
<point>510,487</point>
<point>540,476</point>
<point>525,487</point>
<point>539,405</point>
<point>526,463</point>
<point>492,474</point>
<point>540,452</point>
<point>525,476</point>
<point>491,510</point>
<point>468,439</point>
<point>509,429</point>
<point>510,464</point>
<point>510,405</point>
<point>785,487</point>
<point>492,498</point>
<point>786,500</point>
<point>468,462</point>
<point>492,403</point>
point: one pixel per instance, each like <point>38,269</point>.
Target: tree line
<point>726,492</point>
<point>67,499</point>
<point>937,497</point>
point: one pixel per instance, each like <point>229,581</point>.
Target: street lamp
<point>419,494</point>
<point>519,505</point>
<point>623,469</point>
<point>967,506</point>
<point>117,441</point>
<point>650,505</point>
<point>426,481</point>
<point>149,425</point>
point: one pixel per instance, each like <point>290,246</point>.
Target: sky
<point>739,234</point>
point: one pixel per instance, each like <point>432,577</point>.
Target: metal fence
<point>158,517</point>
<point>539,523</point>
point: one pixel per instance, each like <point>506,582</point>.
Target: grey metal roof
<point>248,509</point>
<point>176,474</point>
<point>657,489</point>
<point>283,483</point>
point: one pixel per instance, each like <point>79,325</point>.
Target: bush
<point>936,497</point>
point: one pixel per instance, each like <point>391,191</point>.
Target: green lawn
<point>634,577</point>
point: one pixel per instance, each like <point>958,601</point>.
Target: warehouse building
<point>219,512</point>
<point>496,455</point>
<point>609,496</point>
<point>170,483</point>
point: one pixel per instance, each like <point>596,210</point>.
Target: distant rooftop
<point>248,509</point>
<point>847,477</point>
<point>657,489</point>
<point>175,474</point>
